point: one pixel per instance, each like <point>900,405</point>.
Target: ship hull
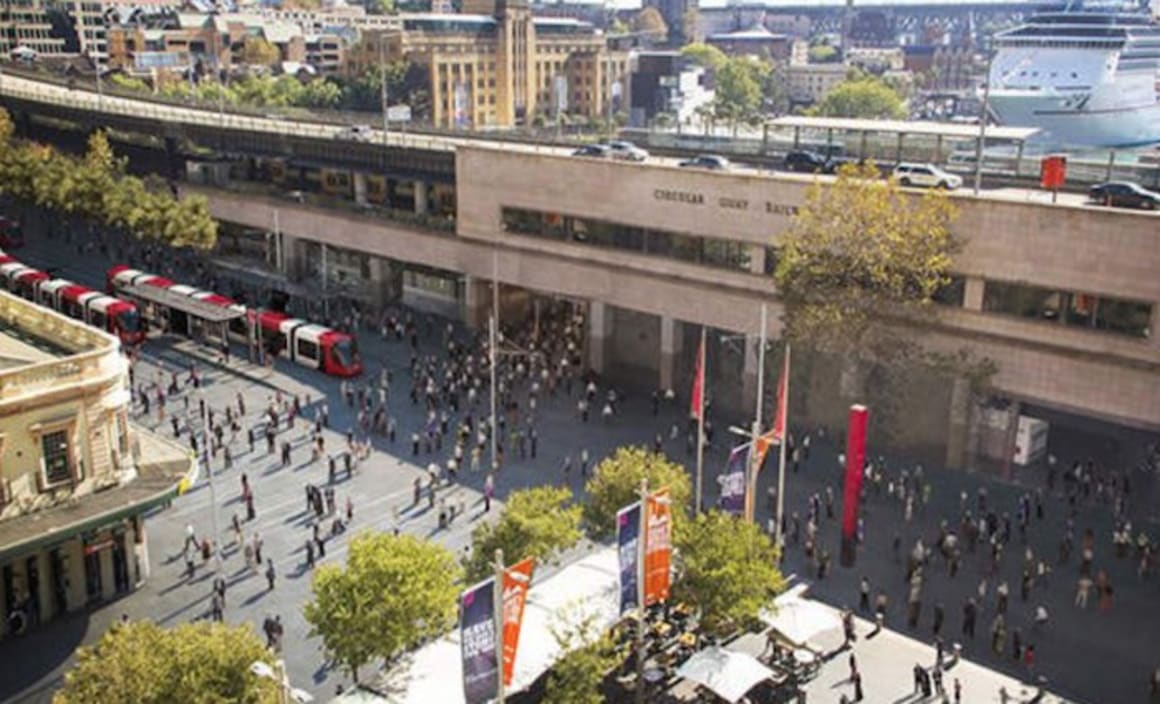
<point>1064,125</point>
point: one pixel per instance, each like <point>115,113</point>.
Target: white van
<point>359,133</point>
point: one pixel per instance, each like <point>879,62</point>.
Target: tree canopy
<point>651,24</point>
<point>615,483</point>
<point>96,187</point>
<point>705,55</point>
<point>588,655</point>
<point>729,570</point>
<point>395,592</point>
<point>739,88</point>
<point>193,663</point>
<point>256,51</point>
<point>539,522</point>
<point>859,246</point>
<point>861,97</point>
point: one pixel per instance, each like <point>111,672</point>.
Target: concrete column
<point>670,345</point>
<point>360,188</point>
<point>108,583</point>
<point>599,326</point>
<point>756,259</point>
<point>973,293</point>
<point>421,197</point>
<point>292,257</point>
<point>959,424</point>
<point>476,301</point>
<point>386,281</point>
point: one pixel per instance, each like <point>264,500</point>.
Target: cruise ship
<point>1084,76</point>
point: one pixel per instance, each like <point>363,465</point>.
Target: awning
<point>730,675</point>
<point>209,312</point>
<point>803,623</point>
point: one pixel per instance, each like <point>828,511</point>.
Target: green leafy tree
<point>385,7</point>
<point>6,127</point>
<point>729,570</point>
<point>861,97</point>
<point>739,94</point>
<point>256,51</point>
<point>649,23</point>
<point>615,483</point>
<point>193,663</point>
<point>705,55</point>
<point>823,54</point>
<point>394,593</point>
<point>589,654</point>
<point>539,522</point>
<point>320,93</point>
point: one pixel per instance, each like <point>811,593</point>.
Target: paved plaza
<point>1090,655</point>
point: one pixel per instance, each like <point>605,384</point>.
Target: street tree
<point>823,54</point>
<point>728,569</point>
<point>615,483</point>
<point>394,593</point>
<point>589,654</point>
<point>256,51</point>
<point>539,522</point>
<point>705,55</point>
<point>192,663</point>
<point>858,271</point>
<point>650,24</point>
<point>861,97</point>
<point>6,127</point>
<point>739,88</point>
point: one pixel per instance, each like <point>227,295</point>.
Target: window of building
<point>953,293</point>
<point>1021,300</point>
<point>1124,317</point>
<point>1080,310</point>
<point>57,465</point>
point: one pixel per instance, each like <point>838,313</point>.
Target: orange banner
<point>658,548</point>
<point>516,581</point>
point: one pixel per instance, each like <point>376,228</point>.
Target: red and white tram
<point>315,346</point>
<point>113,315</point>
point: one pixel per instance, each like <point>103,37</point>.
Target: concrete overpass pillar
<point>599,326</point>
<point>973,293</point>
<point>360,188</point>
<point>386,278</point>
<point>421,197</point>
<point>476,301</point>
<point>670,350</point>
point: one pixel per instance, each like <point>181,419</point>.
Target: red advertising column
<point>855,461</point>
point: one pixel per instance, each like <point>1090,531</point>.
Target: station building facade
<point>76,477</point>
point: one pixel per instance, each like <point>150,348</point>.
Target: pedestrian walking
<point>488,491</point>
<point>309,554</point>
<point>270,575</point>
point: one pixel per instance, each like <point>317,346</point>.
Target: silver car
<point>626,151</point>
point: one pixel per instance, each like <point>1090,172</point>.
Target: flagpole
<point>781,457</point>
<point>498,599</point>
<point>755,454</point>
<point>493,348</point>
<point>642,552</point>
<point>701,418</point>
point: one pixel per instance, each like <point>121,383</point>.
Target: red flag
<point>697,403</point>
<point>516,580</point>
<point>658,547</point>
<point>777,432</point>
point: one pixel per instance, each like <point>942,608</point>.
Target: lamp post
<point>610,7</point>
<point>983,111</point>
<point>213,515</point>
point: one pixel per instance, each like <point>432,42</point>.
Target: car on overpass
<point>713,162</point>
<point>626,151</point>
<point>925,176</point>
<point>805,162</point>
<point>1124,194</point>
<point>595,151</point>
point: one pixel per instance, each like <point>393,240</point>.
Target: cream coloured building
<point>495,65</point>
<point>75,476</point>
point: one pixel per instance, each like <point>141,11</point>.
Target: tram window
<point>98,319</point>
<point>307,349</point>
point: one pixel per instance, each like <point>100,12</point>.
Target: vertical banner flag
<point>697,400</point>
<point>658,547</point>
<point>627,535</point>
<point>733,481</point>
<point>517,579</point>
<point>477,642</point>
<point>777,432</point>
<point>855,462</point>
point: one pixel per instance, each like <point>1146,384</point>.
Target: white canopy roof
<point>730,675</point>
<point>804,623</point>
<point>589,587</point>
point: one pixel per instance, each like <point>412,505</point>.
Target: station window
<point>952,293</point>
<point>1074,309</point>
<point>57,468</point>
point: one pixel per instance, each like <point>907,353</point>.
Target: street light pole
<point>983,111</point>
<point>493,348</point>
<point>383,87</point>
<point>781,457</point>
<point>642,552</point>
<point>213,516</point>
<point>754,455</point>
<point>701,420</point>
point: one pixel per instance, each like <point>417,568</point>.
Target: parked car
<point>926,176</point>
<point>805,162</point>
<point>627,151</point>
<point>359,133</point>
<point>598,151</point>
<point>836,162</point>
<point>713,162</point>
<point>1125,194</point>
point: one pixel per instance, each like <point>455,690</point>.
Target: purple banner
<point>477,643</point>
<point>732,481</point>
<point>627,541</point>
